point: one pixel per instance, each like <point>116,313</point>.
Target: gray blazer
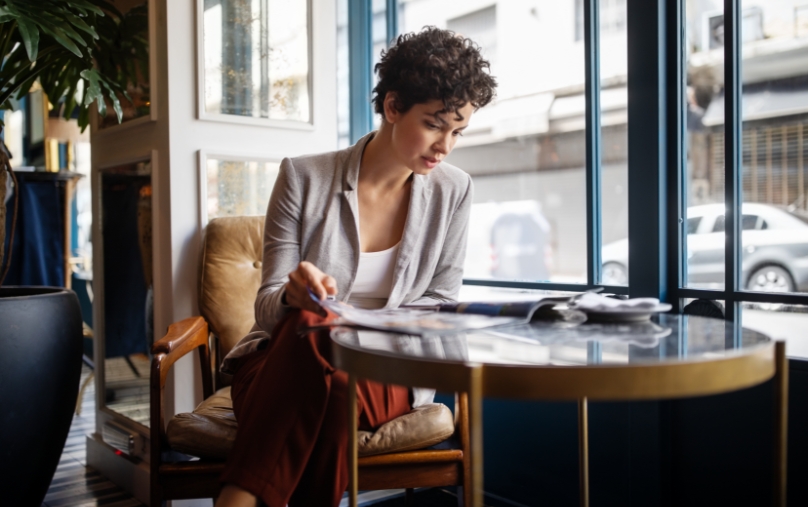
<point>313,216</point>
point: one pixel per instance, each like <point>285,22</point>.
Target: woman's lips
<point>430,162</point>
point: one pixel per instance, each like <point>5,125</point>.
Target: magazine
<point>444,318</point>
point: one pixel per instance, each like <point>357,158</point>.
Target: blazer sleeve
<point>281,246</point>
<point>448,276</point>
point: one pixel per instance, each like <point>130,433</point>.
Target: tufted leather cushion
<point>210,430</point>
<point>421,427</point>
<point>232,251</point>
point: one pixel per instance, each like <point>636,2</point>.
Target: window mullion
<point>677,148</point>
<point>647,149</point>
<point>360,47</point>
<point>593,138</point>
<point>392,21</point>
<point>732,154</point>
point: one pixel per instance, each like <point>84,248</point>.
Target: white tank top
<point>374,278</point>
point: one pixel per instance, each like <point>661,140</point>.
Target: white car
<point>775,249</point>
<point>508,240</point>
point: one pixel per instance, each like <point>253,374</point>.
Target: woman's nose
<point>444,144</point>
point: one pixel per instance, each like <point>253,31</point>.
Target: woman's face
<point>426,134</point>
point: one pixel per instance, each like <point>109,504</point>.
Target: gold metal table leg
<point>353,450</point>
<point>583,449</point>
<point>780,423</point>
<point>475,489</point>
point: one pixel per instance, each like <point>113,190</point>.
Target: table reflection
<point>665,338</point>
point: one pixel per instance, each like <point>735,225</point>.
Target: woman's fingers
<point>330,285</point>
<point>313,279</point>
<point>308,276</point>
<point>299,298</point>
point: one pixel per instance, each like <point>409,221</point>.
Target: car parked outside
<point>775,249</point>
<point>508,241</point>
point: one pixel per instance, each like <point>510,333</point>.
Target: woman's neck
<point>379,168</point>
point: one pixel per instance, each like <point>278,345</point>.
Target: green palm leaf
<point>30,37</point>
<point>64,42</point>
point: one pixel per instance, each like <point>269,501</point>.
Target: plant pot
<point>40,366</point>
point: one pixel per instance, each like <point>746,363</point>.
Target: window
<point>529,153</point>
<point>479,26</point>
<point>234,186</point>
<point>612,18</point>
<point>256,59</point>
<point>753,162</point>
<point>748,222</point>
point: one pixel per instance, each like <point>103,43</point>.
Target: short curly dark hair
<point>434,64</point>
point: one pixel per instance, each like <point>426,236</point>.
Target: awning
<point>510,118</point>
<point>760,105</point>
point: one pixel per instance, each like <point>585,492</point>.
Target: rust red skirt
<point>291,408</point>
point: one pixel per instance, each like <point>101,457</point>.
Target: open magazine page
<point>442,318</point>
<point>413,321</point>
<point>521,309</point>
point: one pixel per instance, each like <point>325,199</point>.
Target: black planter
<point>40,366</point>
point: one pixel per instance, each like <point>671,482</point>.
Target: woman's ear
<point>391,113</point>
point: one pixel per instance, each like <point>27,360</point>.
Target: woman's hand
<point>308,276</point>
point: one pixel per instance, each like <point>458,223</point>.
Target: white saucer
<point>624,314</point>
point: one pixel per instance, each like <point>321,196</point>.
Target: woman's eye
<point>457,133</point>
<point>432,126</point>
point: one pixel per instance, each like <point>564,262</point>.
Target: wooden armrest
<point>182,337</point>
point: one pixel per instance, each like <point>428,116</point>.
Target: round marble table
<point>669,356</point>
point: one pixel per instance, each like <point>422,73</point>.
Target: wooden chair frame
<point>200,479</point>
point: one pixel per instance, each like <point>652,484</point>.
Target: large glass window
<point>775,114</point>
<point>781,322</point>
<point>774,105</point>
<point>704,119</point>
<point>772,237</point>
<point>526,151</point>
<point>614,140</point>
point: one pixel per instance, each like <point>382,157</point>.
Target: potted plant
<point>75,49</point>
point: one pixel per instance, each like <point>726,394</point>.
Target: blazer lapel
<point>350,219</point>
<point>411,239</point>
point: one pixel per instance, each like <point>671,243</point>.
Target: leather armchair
<point>396,455</point>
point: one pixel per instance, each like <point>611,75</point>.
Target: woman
<point>380,224</point>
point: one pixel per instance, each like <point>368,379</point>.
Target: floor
<point>426,498</point>
<point>75,484</point>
